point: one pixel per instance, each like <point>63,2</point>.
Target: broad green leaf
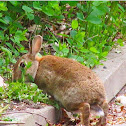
<point>56,48</point>
<point>30,16</point>
<point>48,11</point>
<point>20,36</point>
<point>93,49</point>
<point>107,48</point>
<point>70,41</point>
<point>120,42</point>
<point>74,24</point>
<point>60,17</point>
<point>36,5</point>
<point>84,50</point>
<point>73,33</point>
<point>104,8</point>
<point>37,20</point>
<point>65,51</point>
<point>17,24</point>
<point>96,3</point>
<point>80,59</point>
<point>27,9</point>
<point>10,46</point>
<point>80,16</point>
<point>14,3</point>
<point>3,6</point>
<point>91,43</point>
<point>79,38</point>
<point>97,12</point>
<point>7,19</point>
<point>3,21</point>
<point>7,51</point>
<point>54,4</point>
<point>94,19</point>
<point>104,54</point>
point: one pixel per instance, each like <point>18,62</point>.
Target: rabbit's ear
<point>36,45</point>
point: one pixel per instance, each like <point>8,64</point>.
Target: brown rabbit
<point>74,85</point>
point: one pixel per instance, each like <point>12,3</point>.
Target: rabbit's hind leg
<point>85,113</point>
<point>102,121</point>
<point>105,109</point>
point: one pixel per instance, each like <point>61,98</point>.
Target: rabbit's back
<point>69,82</point>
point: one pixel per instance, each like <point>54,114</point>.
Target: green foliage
<point>93,25</point>
<point>20,91</point>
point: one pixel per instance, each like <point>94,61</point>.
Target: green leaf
<point>93,49</point>
<point>80,16</point>
<point>54,4</point>
<point>1,14</point>
<point>65,51</point>
<point>7,19</point>
<point>73,33</point>
<point>120,42</point>
<point>14,3</point>
<point>48,11</point>
<point>74,24</point>
<point>70,41</point>
<point>96,3</point>
<point>80,6</point>
<point>1,35</point>
<point>37,6</point>
<point>3,6</point>
<point>27,9</point>
<point>72,3</point>
<point>7,51</point>
<point>56,48</point>
<point>60,17</point>
<point>94,19</point>
<point>103,8</point>
<point>84,50</point>
<point>37,20</point>
<point>104,54</point>
<point>30,16</point>
<point>97,12</point>
<point>17,24</point>
<point>3,21</point>
<point>123,10</point>
<point>80,59</point>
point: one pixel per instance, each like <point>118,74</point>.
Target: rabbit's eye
<point>22,64</point>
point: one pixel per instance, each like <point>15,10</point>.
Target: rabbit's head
<point>30,57</point>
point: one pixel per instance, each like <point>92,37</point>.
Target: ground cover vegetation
<point>84,31</point>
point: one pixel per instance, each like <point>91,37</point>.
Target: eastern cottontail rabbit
<point>74,85</point>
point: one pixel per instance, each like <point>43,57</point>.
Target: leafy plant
<point>20,91</point>
<point>92,28</point>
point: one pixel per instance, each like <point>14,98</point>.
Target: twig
<point>91,37</point>
<point>38,124</point>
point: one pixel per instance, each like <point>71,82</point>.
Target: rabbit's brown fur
<point>74,85</point>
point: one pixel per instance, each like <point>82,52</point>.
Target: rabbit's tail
<point>97,110</point>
